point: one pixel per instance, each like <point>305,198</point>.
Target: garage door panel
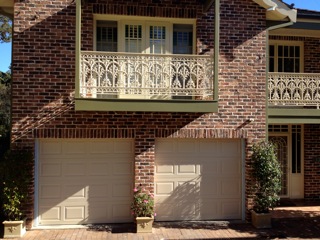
<point>98,190</point>
<point>225,147</point>
<point>122,168</point>
<point>165,211</point>
<point>99,169</point>
<point>122,190</point>
<point>74,147</point>
<point>74,169</point>
<point>50,170</point>
<point>211,190</point>
<point>164,169</point>
<point>186,169</point>
<point>230,209</point>
<point>51,214</point>
<point>50,191</point>
<point>120,212</point>
<point>230,187</point>
<point>186,146</point>
<point>164,188</point>
<point>91,185</point>
<point>230,166</point>
<point>123,147</point>
<point>209,208</point>
<point>52,147</point>
<point>194,185</point>
<point>97,213</point>
<point>187,210</point>
<point>209,168</point>
<point>74,191</point>
<point>74,213</point>
<point>101,147</point>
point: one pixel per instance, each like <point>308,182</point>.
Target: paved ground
<point>289,222</point>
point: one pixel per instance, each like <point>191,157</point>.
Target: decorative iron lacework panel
<point>294,89</point>
<point>146,76</point>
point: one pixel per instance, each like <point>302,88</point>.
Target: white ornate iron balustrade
<point>146,76</point>
<point>294,89</point>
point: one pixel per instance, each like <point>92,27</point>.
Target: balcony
<point>143,76</point>
<point>294,97</point>
<point>145,82</point>
<point>294,89</point>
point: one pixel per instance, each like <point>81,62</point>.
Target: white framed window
<point>286,56</point>
<point>114,33</point>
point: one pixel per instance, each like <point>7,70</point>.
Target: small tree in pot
<point>266,173</point>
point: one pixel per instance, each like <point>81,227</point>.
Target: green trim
<point>145,106</point>
<point>293,116</point>
<point>298,25</point>
<point>78,47</point>
<point>216,49</point>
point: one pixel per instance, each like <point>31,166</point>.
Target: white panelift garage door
<point>198,179</point>
<point>84,181</point>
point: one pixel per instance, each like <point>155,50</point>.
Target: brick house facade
<point>44,76</point>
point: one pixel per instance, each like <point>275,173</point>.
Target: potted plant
<point>142,208</point>
<point>16,170</point>
<point>266,173</point>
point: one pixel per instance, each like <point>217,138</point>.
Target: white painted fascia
<point>277,10</point>
<point>6,3</point>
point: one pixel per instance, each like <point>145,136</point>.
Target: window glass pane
<point>271,51</point>
<point>288,65</point>
<point>280,65</point>
<point>286,51</point>
<point>296,149</point>
<point>133,38</point>
<point>294,154</point>
<point>107,36</point>
<point>182,38</point>
<point>291,53</point>
<point>157,39</point>
<point>297,65</point>
<point>271,65</point>
<point>280,51</point>
<point>297,51</point>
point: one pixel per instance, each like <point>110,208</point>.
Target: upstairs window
<point>171,36</point>
<point>286,57</point>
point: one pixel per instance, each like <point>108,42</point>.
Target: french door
<point>289,143</point>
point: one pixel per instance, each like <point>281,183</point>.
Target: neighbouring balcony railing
<point>294,89</point>
<point>146,76</point>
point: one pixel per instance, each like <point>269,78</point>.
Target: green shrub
<point>16,177</point>
<point>266,175</point>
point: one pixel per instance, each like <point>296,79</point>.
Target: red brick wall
<point>44,78</point>
<point>312,161</point>
<point>312,55</point>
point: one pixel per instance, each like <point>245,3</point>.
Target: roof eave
<point>6,8</point>
<point>277,10</point>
